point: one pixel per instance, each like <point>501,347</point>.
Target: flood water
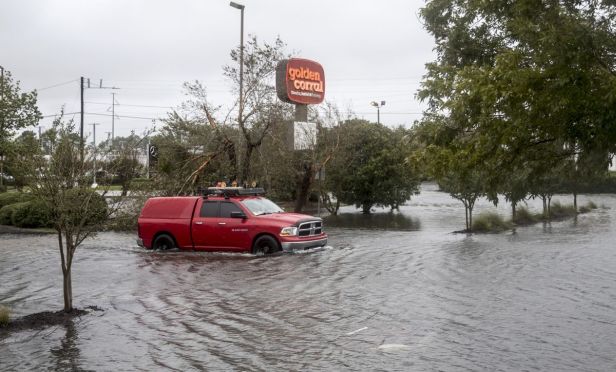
<point>390,293</point>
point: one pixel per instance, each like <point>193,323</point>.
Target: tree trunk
<point>575,201</point>
<point>470,217</point>
<point>365,208</point>
<point>549,207</point>
<point>303,187</point>
<point>125,188</point>
<point>332,208</point>
<point>229,148</point>
<point>68,292</point>
<point>513,205</point>
<point>545,207</point>
<point>466,216</point>
<point>246,165</point>
<point>66,274</point>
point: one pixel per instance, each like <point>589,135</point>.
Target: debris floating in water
<point>356,331</point>
<point>392,347</point>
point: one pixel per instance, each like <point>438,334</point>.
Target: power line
<point>58,85</point>
<point>390,113</point>
<point>121,116</point>
<point>134,105</point>
<point>66,113</point>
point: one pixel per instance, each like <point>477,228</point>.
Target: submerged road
<point>390,293</point>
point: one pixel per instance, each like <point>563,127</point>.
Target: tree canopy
<point>17,109</point>
<point>528,84</point>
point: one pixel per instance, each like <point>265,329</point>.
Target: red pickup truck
<point>226,219</point>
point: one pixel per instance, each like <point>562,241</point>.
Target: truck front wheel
<point>163,242</point>
<point>265,245</point>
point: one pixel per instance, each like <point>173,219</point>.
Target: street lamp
<point>241,100</point>
<point>378,109</point>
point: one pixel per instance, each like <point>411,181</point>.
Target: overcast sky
<point>370,50</point>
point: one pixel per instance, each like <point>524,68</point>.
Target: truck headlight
<point>288,231</point>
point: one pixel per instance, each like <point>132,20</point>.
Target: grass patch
<point>490,222</point>
<point>525,217</point>
<point>109,188</point>
<point>588,207</point>
<point>559,211</point>
<point>5,316</point>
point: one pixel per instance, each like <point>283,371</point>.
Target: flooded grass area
<point>392,291</point>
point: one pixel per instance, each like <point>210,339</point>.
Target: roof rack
<point>232,191</point>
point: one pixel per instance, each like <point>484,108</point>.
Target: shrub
<point>31,214</point>
<point>124,221</point>
<point>8,198</point>
<point>489,222</point>
<point>524,217</point>
<point>6,213</point>
<point>5,314</point>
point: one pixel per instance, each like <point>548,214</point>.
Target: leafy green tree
<point>17,110</point>
<point>458,173</point>
<point>371,167</point>
<point>22,149</point>
<point>527,81</point>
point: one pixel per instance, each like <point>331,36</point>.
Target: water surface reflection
<point>384,221</point>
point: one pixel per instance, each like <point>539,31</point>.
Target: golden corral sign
<point>300,81</point>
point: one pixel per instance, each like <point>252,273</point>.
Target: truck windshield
<point>259,206</point>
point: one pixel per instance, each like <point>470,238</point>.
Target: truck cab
<point>226,219</point>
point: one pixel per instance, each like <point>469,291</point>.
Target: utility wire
<point>66,113</point>
<point>124,104</point>
<point>121,116</point>
<point>57,85</point>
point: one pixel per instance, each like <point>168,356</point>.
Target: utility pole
<point>112,116</point>
<point>81,143</point>
<point>81,89</point>
<point>94,143</point>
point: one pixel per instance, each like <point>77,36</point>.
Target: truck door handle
<point>198,223</point>
<point>222,223</point>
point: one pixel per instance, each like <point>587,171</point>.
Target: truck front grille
<point>310,228</point>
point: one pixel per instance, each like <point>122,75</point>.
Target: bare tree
<point>62,182</point>
<point>260,107</point>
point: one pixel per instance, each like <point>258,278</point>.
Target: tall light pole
<point>378,109</point>
<point>241,100</point>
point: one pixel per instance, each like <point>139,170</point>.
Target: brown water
<point>412,297</point>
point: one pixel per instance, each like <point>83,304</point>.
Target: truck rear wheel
<point>163,242</point>
<point>265,245</point>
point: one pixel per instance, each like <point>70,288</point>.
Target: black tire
<point>265,244</point>
<point>163,242</point>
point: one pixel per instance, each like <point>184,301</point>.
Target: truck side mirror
<point>238,215</point>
